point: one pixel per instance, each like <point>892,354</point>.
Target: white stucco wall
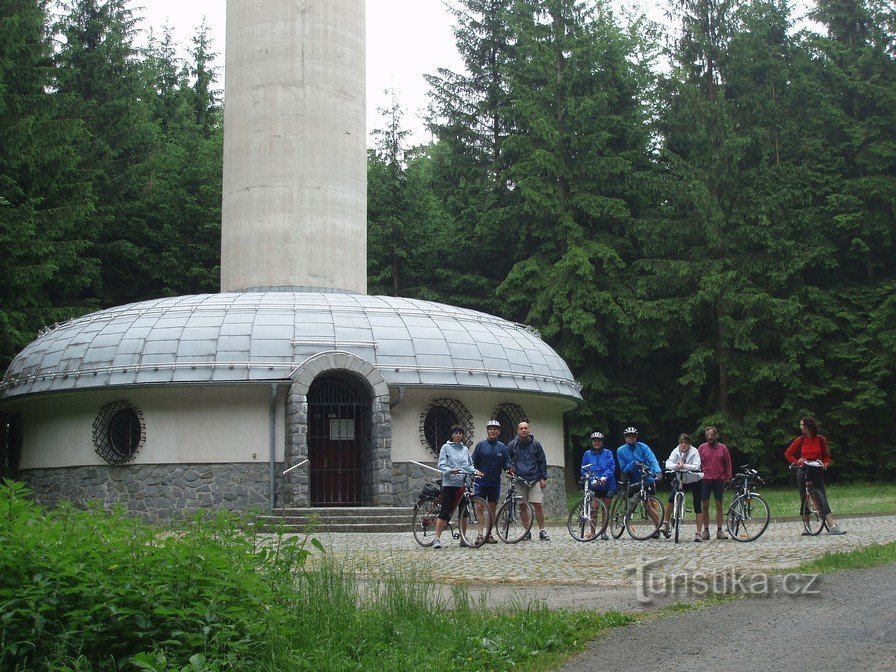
<point>190,425</point>
<point>545,416</point>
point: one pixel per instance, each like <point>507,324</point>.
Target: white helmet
<point>493,423</point>
<point>629,430</point>
<point>597,435</point>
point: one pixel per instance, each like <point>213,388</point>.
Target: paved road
<point>602,574</point>
<point>849,623</point>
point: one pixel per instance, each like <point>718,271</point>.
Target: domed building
<point>292,387</point>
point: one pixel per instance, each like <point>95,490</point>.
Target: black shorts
<point>696,489</point>
<point>490,493</point>
<point>716,487</point>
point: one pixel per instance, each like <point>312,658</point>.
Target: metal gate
<point>338,430</point>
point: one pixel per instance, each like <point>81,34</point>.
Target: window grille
<point>509,415</point>
<point>119,432</point>
<point>437,419</point>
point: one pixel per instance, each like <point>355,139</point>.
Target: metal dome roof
<point>253,337</point>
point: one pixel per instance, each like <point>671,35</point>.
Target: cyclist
<point>599,467</point>
<point>716,462</point>
<point>491,457</point>
<point>528,461</point>
<point>810,450</point>
<point>685,458</point>
<point>454,458</point>
<point>629,454</point>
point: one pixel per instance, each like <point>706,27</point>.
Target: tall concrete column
<point>294,210</point>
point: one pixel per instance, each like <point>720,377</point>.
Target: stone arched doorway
<point>355,394</point>
<point>338,440</point>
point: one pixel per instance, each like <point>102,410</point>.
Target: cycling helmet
<point>597,435</point>
<point>493,423</point>
<point>629,430</point>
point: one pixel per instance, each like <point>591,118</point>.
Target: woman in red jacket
<point>811,452</point>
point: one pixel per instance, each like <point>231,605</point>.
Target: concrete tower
<point>295,180</point>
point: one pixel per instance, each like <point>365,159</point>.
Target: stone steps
<point>339,519</point>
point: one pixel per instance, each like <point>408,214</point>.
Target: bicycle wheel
<point>813,521</point>
<point>423,523</point>
<point>510,527</point>
<point>587,514</point>
<point>475,522</point>
<point>617,514</point>
<point>638,520</point>
<point>678,518</point>
<point>748,517</point>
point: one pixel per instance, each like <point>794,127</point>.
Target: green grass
<point>92,591</point>
<point>871,556</point>
<point>783,500</point>
<point>844,498</point>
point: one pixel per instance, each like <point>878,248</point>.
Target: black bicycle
<point>618,506</point>
<point>748,516</point>
<point>814,521</point>
<point>514,518</point>
<point>472,515</point>
<point>644,514</point>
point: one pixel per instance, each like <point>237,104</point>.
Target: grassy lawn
<point>783,500</point>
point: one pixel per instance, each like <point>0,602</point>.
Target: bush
<point>97,590</point>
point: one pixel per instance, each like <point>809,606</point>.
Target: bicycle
<point>814,502</point>
<point>678,507</point>
<point>471,509</point>
<point>749,515</point>
<point>511,525</point>
<point>618,506</point>
<point>587,514</point>
<point>638,521</point>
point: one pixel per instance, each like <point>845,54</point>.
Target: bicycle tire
<point>638,522</point>
<point>617,514</point>
<point>474,522</point>
<point>423,523</point>
<point>813,520</point>
<point>748,517</point>
<point>509,525</point>
<point>678,510</point>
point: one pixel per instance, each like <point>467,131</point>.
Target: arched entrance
<point>338,440</point>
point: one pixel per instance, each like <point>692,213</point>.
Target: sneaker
<point>655,535</point>
<point>667,531</point>
<point>605,537</point>
<point>720,534</point>
<point>543,535</point>
<point>437,544</point>
<point>698,537</point>
<point>706,534</point>
<point>836,530</point>
<point>491,540</point>
<point>528,536</point>
<point>479,540</point>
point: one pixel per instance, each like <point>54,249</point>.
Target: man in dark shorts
<point>715,461</point>
<point>490,456</point>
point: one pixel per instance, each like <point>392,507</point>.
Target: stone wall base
<point>156,492</point>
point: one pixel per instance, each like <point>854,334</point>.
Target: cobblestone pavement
<point>600,570</point>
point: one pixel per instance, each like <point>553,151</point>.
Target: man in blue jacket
<point>490,456</point>
<point>599,467</point>
<point>528,461</point>
<point>629,454</point>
